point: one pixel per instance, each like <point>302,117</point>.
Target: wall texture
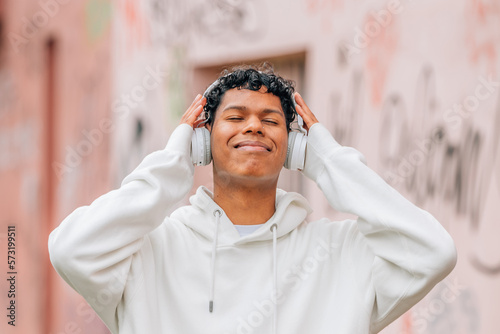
<point>88,88</point>
<point>55,86</point>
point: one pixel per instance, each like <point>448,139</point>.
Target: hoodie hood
<point>291,211</point>
<point>208,219</point>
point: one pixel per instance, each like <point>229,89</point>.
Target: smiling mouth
<point>252,146</point>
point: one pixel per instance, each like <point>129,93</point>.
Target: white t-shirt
<point>245,230</point>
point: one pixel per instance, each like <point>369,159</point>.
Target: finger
<point>304,111</point>
<point>198,122</point>
<point>193,105</point>
<point>194,111</point>
<point>300,101</point>
<point>191,115</point>
<point>196,99</point>
<point>300,111</point>
<point>198,109</point>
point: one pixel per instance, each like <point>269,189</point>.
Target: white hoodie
<point>144,272</point>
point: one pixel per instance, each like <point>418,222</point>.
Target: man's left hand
<point>304,112</point>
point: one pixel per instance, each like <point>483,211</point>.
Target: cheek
<point>283,144</point>
<point>219,139</point>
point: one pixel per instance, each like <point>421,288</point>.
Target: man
<point>243,259</point>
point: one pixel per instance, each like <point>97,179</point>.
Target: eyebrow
<point>244,109</point>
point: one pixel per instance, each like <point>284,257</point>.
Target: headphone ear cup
<point>201,154</point>
<point>296,152</point>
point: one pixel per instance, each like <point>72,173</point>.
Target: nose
<point>254,125</point>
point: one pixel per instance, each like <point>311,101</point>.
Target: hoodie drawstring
<point>274,228</point>
<point>217,214</point>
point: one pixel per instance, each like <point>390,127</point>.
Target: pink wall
<point>50,97</point>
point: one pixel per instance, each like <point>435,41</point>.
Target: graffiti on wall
<point>450,307</point>
<point>346,111</point>
<point>437,155</point>
<point>482,27</point>
<point>175,22</point>
<point>446,159</point>
<point>380,56</point>
<point>323,9</point>
<point>432,164</point>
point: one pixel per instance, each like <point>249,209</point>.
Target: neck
<point>246,205</point>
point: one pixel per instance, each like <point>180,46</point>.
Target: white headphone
<point>201,154</point>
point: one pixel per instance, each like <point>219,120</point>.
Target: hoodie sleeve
<point>92,249</point>
<point>411,250</point>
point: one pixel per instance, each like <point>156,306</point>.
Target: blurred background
<point>88,88</point>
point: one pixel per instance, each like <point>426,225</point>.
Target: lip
<point>250,145</point>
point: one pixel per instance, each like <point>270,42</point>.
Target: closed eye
<point>234,118</point>
<point>271,121</point>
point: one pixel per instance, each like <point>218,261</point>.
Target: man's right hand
<point>194,111</point>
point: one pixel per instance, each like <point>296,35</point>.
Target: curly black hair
<point>253,78</point>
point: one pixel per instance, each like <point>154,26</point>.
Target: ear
<point>197,123</point>
<point>209,127</point>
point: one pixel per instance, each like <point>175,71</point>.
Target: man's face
<point>249,137</point>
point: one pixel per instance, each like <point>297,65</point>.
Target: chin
<point>259,174</point>
<point>256,169</point>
